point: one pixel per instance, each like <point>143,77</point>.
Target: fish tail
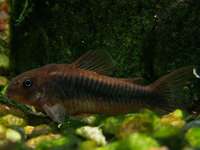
<point>169,88</point>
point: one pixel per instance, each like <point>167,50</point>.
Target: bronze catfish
<point>85,87</point>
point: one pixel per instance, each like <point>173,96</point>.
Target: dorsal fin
<point>98,61</point>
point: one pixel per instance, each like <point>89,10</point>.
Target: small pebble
<point>11,120</point>
<point>13,135</point>
<point>32,143</point>
<point>92,133</point>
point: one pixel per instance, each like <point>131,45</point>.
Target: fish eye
<point>27,83</point>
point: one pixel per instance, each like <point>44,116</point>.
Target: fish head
<point>26,87</point>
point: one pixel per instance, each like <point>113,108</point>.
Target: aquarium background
<point>145,39</point>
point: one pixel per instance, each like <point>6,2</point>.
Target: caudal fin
<point>170,88</point>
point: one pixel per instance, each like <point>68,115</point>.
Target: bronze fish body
<point>85,87</point>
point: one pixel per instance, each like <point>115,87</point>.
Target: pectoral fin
<point>55,112</point>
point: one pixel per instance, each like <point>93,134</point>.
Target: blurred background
<point>145,39</point>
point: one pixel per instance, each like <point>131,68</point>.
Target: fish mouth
<point>9,91</point>
<point>10,94</point>
<point>16,95</point>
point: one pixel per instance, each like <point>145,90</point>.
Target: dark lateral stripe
<point>84,81</point>
<point>108,88</point>
<point>80,81</point>
<point>98,85</point>
<point>127,90</point>
<point>89,83</point>
<point>94,86</point>
<point>73,80</point>
<point>135,91</point>
<point>92,83</point>
<point>114,91</point>
<point>69,81</point>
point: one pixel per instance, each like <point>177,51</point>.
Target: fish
<point>86,86</point>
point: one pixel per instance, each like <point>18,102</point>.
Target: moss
<point>193,137</point>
